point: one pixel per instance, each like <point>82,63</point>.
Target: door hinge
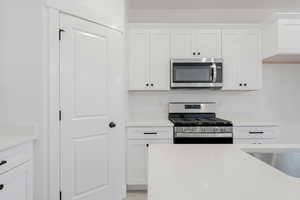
<point>59,33</point>
<point>59,115</point>
<point>60,195</point>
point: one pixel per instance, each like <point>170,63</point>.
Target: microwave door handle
<point>214,68</point>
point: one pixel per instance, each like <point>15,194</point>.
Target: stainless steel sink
<point>287,162</point>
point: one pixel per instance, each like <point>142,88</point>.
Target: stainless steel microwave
<point>197,73</point>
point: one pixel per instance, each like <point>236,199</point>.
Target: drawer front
<point>14,157</point>
<point>16,184</point>
<point>254,132</point>
<point>150,133</point>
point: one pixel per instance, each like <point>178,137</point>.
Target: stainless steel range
<point>196,123</point>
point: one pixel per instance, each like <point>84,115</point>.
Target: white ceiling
<point>215,4</point>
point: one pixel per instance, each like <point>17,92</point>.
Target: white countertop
<point>214,172</point>
<point>14,135</point>
<point>150,123</point>
<point>7,142</point>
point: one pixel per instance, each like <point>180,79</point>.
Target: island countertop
<point>214,172</point>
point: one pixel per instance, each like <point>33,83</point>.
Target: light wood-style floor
<point>137,195</point>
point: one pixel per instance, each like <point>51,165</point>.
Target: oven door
<point>203,138</point>
<point>187,74</point>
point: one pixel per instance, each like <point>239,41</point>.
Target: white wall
<point>21,71</point>
<point>278,102</point>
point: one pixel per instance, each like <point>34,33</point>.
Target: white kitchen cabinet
<point>149,60</point>
<point>182,44</point>
<point>196,43</point>
<point>208,43</point>
<point>137,161</point>
<point>255,134</point>
<point>17,183</point>
<point>281,41</point>
<point>16,168</point>
<point>242,60</point>
<point>139,140</point>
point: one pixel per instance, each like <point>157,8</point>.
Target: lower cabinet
<point>137,154</point>
<point>255,135</point>
<point>137,161</point>
<point>17,183</point>
<point>16,173</point>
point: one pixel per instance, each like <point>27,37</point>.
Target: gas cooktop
<point>199,121</point>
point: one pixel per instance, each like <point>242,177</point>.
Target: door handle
<point>1,187</point>
<point>214,73</point>
<point>112,125</point>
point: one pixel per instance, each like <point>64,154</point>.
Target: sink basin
<point>287,162</point>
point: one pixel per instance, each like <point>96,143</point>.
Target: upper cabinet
<point>200,43</point>
<point>281,40</point>
<point>150,52</point>
<point>149,60</point>
<point>242,60</point>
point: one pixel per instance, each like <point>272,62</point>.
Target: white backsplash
<point>277,102</point>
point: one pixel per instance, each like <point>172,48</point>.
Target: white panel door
<point>182,44</point>
<point>88,145</point>
<point>208,43</point>
<point>231,53</point>
<point>139,60</point>
<point>159,60</point>
<point>17,183</point>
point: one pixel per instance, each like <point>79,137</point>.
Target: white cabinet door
<point>182,44</point>
<point>242,60</point>
<point>17,183</point>
<point>231,53</point>
<point>159,60</point>
<point>137,160</point>
<point>139,60</point>
<point>89,147</point>
<point>208,43</point>
<point>251,65</point>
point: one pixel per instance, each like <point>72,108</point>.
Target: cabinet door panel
<point>159,61</point>
<point>231,53</point>
<point>139,60</point>
<point>182,44</point>
<point>136,163</point>
<point>208,43</point>
<point>137,160</point>
<point>242,60</point>
<point>251,67</point>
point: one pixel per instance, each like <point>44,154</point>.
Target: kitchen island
<point>215,172</point>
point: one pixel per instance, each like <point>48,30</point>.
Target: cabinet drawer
<point>254,132</point>
<point>16,184</point>
<point>150,133</point>
<point>14,157</point>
